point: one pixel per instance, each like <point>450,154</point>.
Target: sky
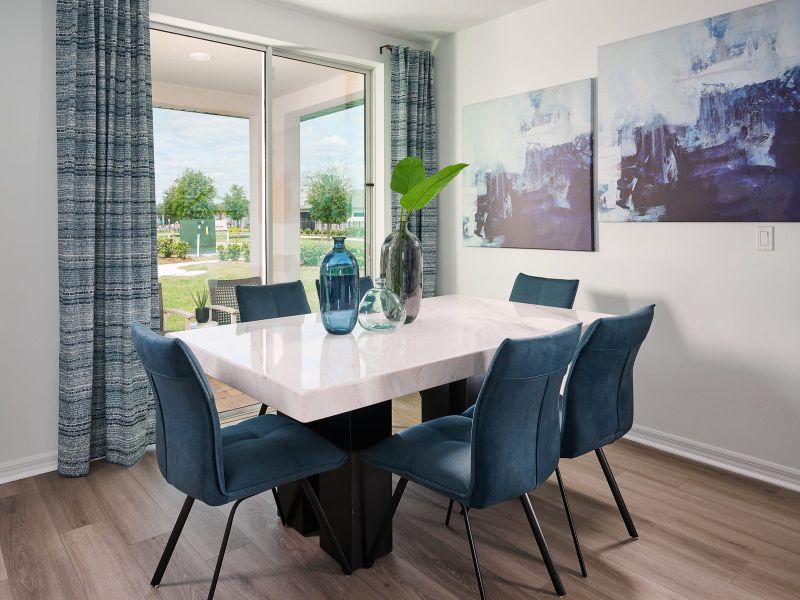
<point>337,139</point>
<point>219,146</point>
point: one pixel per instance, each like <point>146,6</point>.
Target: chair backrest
<point>188,443</point>
<point>598,399</point>
<point>515,432</point>
<point>223,293</point>
<point>272,301</point>
<point>364,285</point>
<point>530,289</point>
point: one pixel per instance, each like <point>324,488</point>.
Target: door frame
<point>266,139</point>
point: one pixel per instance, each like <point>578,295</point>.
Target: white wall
<point>29,335</point>
<point>721,365</point>
<point>28,254</point>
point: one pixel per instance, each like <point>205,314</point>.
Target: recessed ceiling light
<point>200,56</point>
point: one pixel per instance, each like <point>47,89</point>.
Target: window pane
<point>208,136</point>
<point>317,167</point>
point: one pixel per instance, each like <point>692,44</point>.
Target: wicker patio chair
<point>224,308</point>
<point>184,314</point>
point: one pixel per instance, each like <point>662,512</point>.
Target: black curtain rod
<point>382,48</point>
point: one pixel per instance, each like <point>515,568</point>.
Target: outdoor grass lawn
<point>178,290</point>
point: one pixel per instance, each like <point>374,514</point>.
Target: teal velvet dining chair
<point>530,289</point>
<point>222,465</point>
<point>364,285</point>
<point>257,302</point>
<point>544,291</point>
<point>509,447</point>
<point>597,405</point>
<point>272,301</point>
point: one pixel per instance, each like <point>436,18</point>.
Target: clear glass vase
<point>338,289</point>
<point>401,265</point>
<point>381,309</point>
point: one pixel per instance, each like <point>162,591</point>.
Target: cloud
<point>215,144</point>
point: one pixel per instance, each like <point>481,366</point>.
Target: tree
<point>236,204</point>
<point>328,195</point>
<point>191,196</point>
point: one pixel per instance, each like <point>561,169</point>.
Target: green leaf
<point>423,192</point>
<point>408,173</point>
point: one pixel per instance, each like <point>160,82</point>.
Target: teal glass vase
<point>338,289</point>
<point>381,309</point>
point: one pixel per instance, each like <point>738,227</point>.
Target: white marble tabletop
<point>295,366</point>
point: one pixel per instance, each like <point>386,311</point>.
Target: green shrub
<point>357,250</point>
<point>233,252</point>
<point>313,251</point>
<point>246,252</point>
<point>221,253</point>
<point>307,231</point>
<point>355,232</point>
<point>181,248</point>
<point>165,247</point>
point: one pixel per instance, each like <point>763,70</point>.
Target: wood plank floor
<point>704,534</point>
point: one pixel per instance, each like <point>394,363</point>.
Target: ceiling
<point>418,21</point>
<point>231,68</point>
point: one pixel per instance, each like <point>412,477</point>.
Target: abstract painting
<point>702,122</point>
<point>529,180</point>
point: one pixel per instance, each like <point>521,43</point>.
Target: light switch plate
<point>765,237</point>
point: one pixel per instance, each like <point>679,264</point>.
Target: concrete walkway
<point>177,269</point>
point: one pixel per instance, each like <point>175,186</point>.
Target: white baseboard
<point>742,464</point>
<point>28,467</point>
<point>728,460</point>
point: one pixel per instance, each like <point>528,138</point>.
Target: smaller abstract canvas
<point>529,183</point>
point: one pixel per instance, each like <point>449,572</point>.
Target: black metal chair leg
<point>474,552</point>
<point>279,507</point>
<point>387,521</point>
<point>540,541</point>
<point>449,513</point>
<point>172,542</point>
<point>262,410</point>
<point>571,524</point>
<point>222,547</point>
<point>612,483</point>
<point>325,525</point>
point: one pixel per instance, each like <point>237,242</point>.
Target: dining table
<point>342,386</point>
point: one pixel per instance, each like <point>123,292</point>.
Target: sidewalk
<point>177,269</point>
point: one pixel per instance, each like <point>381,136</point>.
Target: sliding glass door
<point>319,165</point>
<point>260,157</point>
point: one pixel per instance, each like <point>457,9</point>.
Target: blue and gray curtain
<point>108,273</point>
<point>414,134</point>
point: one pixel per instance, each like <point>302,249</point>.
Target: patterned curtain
<point>108,274</point>
<point>414,134</point>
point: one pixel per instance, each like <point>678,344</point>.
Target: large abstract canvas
<point>702,122</point>
<point>529,183</point>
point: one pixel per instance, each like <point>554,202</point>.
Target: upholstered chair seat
<point>267,451</point>
<point>436,454</point>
